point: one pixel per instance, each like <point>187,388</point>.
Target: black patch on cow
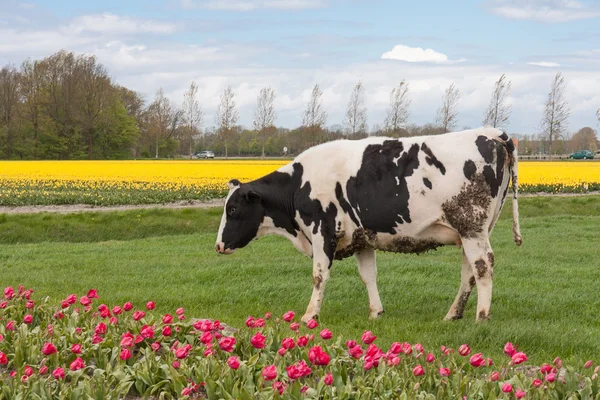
<point>490,179</point>
<point>379,191</point>
<point>432,159</point>
<point>486,148</point>
<point>244,216</point>
<point>427,183</point>
<point>312,212</point>
<point>504,136</point>
<point>469,169</point>
<point>346,207</point>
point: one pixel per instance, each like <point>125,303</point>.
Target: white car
<point>205,154</point>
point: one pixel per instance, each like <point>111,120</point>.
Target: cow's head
<point>242,216</point>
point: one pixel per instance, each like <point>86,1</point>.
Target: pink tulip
<point>464,350</point>
<point>520,394</point>
<point>444,372</point>
<point>58,373</point>
<point>328,380</point>
<point>588,364</point>
<point>312,324</point>
<point>507,388</point>
<point>550,377</point>
<point>233,362</point>
<point>288,316</point>
<point>477,360</point>
<point>519,358</point>
<point>326,334</point>
<point>368,337</point>
<point>150,305</point>
<point>430,358</point>
<point>495,376</point>
<point>48,349</point>
<point>269,372</point>
<point>418,371</point>
<point>537,383</point>
<point>509,349</point>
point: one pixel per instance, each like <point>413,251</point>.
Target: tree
<point>397,113</point>
<point>356,114</point>
<point>94,95</point>
<point>447,114</point>
<point>315,117</point>
<point>498,110</point>
<point>192,115</point>
<point>585,139</point>
<point>264,114</point>
<point>163,120</point>
<point>556,113</point>
<point>32,95</point>
<point>226,117</point>
<point>9,101</point>
<point>598,115</point>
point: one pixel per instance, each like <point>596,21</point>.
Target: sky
<point>291,45</point>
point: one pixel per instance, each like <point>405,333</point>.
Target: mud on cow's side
<point>406,195</point>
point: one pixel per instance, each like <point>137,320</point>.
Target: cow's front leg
<point>367,268</point>
<point>321,265</point>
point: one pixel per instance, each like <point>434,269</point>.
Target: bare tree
<point>397,113</point>
<point>447,114</point>
<point>315,117</point>
<point>192,115</point>
<point>598,114</point>
<point>356,115</point>
<point>226,116</point>
<point>556,113</point>
<point>499,110</point>
<point>264,114</point>
<point>163,118</point>
<point>9,101</point>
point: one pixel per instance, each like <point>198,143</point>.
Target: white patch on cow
<point>224,216</point>
<point>397,183</point>
<point>299,241</point>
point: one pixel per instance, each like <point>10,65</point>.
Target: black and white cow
<point>409,195</point>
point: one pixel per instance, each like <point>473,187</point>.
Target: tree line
<point>66,106</point>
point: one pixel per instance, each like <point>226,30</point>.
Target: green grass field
<point>545,293</point>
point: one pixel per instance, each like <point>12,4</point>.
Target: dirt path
<point>75,208</point>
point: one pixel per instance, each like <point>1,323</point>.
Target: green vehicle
<point>582,154</point>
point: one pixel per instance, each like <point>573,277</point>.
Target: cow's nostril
<point>220,247</point>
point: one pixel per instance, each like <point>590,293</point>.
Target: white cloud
<point>546,64</point>
<point>416,54</point>
<point>117,25</point>
<point>249,5</point>
<point>544,10</point>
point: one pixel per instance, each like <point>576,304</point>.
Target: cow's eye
<point>231,210</point>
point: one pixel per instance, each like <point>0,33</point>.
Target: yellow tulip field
<point>149,182</point>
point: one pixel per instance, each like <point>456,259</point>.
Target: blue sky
<point>293,44</point>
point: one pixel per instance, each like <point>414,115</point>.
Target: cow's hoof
<point>307,317</point>
<point>452,317</point>
<point>376,314</point>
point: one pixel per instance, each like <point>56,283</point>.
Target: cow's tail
<point>514,171</point>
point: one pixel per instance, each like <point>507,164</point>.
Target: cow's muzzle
<point>222,250</point>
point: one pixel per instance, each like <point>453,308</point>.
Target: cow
<point>407,195</point>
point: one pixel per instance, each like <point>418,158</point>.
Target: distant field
<point>545,293</point>
<point>152,182</point>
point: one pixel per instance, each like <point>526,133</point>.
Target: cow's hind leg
<point>467,282</point>
<point>481,257</point>
<point>321,265</point>
<point>367,269</point>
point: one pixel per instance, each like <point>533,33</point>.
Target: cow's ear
<point>253,197</point>
<point>233,183</point>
